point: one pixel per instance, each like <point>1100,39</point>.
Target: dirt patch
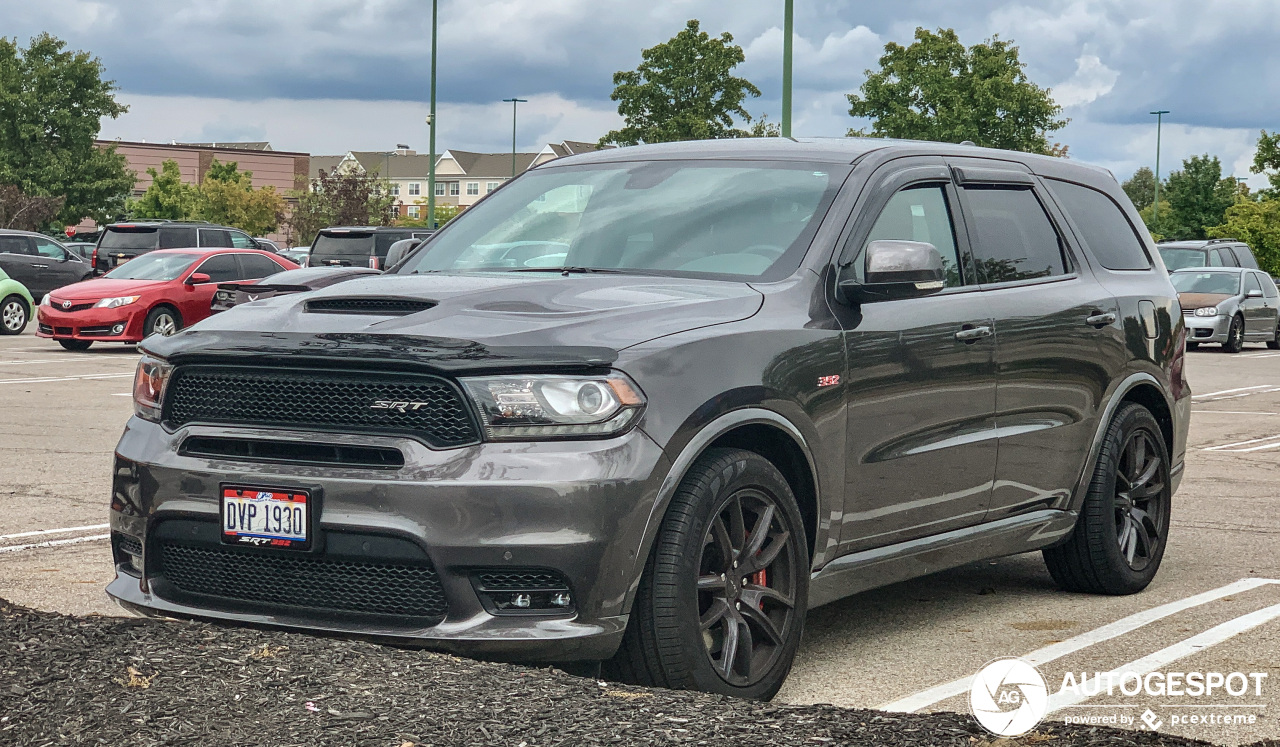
<point>1044,625</point>
<point>98,680</point>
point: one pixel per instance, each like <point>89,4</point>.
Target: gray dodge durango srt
<point>649,405</point>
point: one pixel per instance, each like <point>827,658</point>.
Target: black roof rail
<point>1224,241</point>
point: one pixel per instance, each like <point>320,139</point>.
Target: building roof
<point>324,163</point>
<point>260,145</point>
<point>489,164</point>
<point>392,165</point>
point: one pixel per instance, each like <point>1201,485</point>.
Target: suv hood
<point>479,321</point>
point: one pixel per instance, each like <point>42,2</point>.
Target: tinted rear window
<point>1105,230</point>
<point>129,238</point>
<point>1244,257</point>
<point>350,246</point>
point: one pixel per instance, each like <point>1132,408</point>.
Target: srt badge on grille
<point>386,404</point>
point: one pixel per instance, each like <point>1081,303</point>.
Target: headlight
<point>47,300</point>
<point>522,408</point>
<point>111,303</point>
<point>1207,311</point>
<point>148,387</point>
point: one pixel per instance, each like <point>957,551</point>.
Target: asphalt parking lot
<point>1214,607</point>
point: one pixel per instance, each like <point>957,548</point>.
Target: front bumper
<point>577,508</point>
<point>1207,328</point>
<point>90,324</point>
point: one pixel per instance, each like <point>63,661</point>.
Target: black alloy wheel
<point>1141,509</point>
<point>1123,527</point>
<point>1235,336</point>
<point>722,599</point>
<point>746,587</point>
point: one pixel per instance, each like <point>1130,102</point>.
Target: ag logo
<point>1008,697</point>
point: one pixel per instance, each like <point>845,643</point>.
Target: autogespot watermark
<point>1010,697</point>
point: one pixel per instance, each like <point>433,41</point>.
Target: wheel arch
<point>759,430</point>
<point>165,304</point>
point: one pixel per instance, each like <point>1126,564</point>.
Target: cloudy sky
<point>326,76</point>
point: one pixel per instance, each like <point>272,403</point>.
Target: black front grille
<point>521,580</point>
<point>377,306</point>
<point>129,545</point>
<point>425,407</point>
<point>304,581</point>
<point>292,452</point>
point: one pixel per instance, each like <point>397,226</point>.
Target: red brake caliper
<point>760,578</point>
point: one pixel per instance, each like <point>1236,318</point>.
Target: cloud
<point>1091,80</point>
<point>329,75</point>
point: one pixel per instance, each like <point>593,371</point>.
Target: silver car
<point>1228,305</point>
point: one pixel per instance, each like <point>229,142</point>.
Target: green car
<point>15,306</point>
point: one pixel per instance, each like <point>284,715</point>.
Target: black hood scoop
<point>373,305</point>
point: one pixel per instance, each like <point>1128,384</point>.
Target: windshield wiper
<point>568,270</point>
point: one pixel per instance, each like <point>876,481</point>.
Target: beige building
<point>462,177</point>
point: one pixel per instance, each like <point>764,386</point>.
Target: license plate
<point>266,517</point>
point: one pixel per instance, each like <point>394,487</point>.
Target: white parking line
<point>1236,396</point>
<point>1232,446</point>
<point>64,530</point>
<point>86,377</point>
<point>1231,412</point>
<point>1180,650</point>
<point>54,543</point>
<point>68,359</point>
<point>925,698</point>
<point>1229,391</point>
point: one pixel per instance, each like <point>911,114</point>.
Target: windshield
<point>153,266</point>
<point>1176,259</point>
<point>129,238</point>
<point>1206,282</point>
<point>694,218</point>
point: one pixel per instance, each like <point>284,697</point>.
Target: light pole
<point>514,102</point>
<point>788,24</point>
<point>431,125</point>
<point>1155,206</point>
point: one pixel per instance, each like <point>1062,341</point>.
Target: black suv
<point>121,242</point>
<point>649,405</point>
<point>1206,253</point>
<point>39,262</point>
<point>358,246</point>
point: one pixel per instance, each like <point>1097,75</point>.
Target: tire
<point>725,499</point>
<point>1235,336</point>
<point>1119,538</point>
<point>75,345</point>
<point>1274,343</point>
<point>1192,345</point>
<point>14,315</point>
<point>162,320</point>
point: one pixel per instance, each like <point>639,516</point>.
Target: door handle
<point>1100,320</point>
<point>41,267</point>
<point>973,334</point>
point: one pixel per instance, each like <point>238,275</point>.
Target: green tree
<point>1198,197</point>
<point>1162,227</point>
<point>52,102</point>
<point>340,199</point>
<point>167,198</point>
<point>227,197</point>
<point>936,89</point>
<point>1267,159</point>
<point>1257,223</point>
<point>1141,188</point>
<point>684,89</point>
<point>762,127</point>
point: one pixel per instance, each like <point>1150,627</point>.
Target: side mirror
<point>897,269</point>
<point>197,278</point>
<point>1253,294</point>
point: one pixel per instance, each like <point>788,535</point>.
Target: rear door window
<point>1107,233</point>
<point>215,238</point>
<point>15,245</point>
<point>1215,259</point>
<point>256,266</point>
<point>47,248</point>
<point>221,268</point>
<point>1244,257</point>
<point>177,238</point>
<point>1013,237</point>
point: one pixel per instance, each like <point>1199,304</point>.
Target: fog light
<point>521,601</point>
<point>561,600</point>
<point>117,329</point>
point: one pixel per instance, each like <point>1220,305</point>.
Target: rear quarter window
<point>1102,226</point>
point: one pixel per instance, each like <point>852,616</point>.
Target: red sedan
<point>158,293</point>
